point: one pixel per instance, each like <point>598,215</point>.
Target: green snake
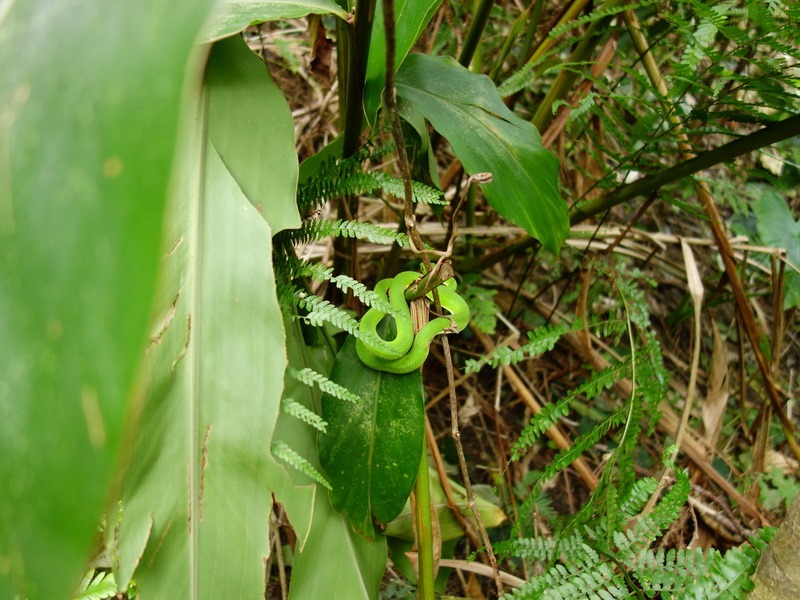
<point>406,352</point>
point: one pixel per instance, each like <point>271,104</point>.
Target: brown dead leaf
<point>717,392</point>
<point>321,50</point>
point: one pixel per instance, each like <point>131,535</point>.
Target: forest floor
<point>743,474</point>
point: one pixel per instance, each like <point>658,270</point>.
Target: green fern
<point>482,307</point>
<point>551,412</point>
<point>298,411</point>
<point>312,378</point>
<point>338,178</point>
<point>540,341</point>
<point>97,585</point>
<point>317,229</point>
<point>321,311</point>
<point>286,454</point>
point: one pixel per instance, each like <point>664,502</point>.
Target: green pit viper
<point>406,352</point>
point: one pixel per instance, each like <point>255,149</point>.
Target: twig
<point>462,463</point>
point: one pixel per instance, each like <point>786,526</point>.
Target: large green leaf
<point>411,17</point>
<point>777,227</point>
<point>372,450</point>
<point>89,101</point>
<point>486,136</point>
<point>335,561</point>
<point>196,504</point>
<point>328,554</point>
<point>235,15</point>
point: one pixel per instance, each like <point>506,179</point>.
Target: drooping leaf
<point>411,18</point>
<point>234,15</point>
<point>89,98</point>
<point>196,503</point>
<point>372,450</point>
<point>486,136</point>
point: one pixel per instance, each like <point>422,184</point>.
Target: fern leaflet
<point>290,457</point>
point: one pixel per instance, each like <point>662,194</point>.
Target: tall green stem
<point>476,27</point>
<point>424,526</point>
<point>357,53</point>
<point>353,50</point>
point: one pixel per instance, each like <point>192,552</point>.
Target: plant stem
<point>424,527</point>
<point>422,506</point>
<point>357,52</point>
<point>353,42</point>
<point>476,27</point>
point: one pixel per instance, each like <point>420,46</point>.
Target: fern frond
<point>588,578</point>
<point>569,455</point>
<point>339,177</point>
<point>311,378</point>
<point>637,497</point>
<point>345,283</point>
<point>550,413</point>
<point>321,311</point>
<point>286,454</point>
<point>541,340</point>
<point>482,307</point>
<point>599,13</point>
<point>420,193</point>
<point>298,411</point>
<point>316,229</point>
<point>97,585</point>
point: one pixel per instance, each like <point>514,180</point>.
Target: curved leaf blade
<point>486,136</point>
<point>372,450</point>
<point>87,137</point>
<point>234,15</point>
<point>197,495</point>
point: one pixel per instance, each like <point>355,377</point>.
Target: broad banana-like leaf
<point>487,137</point>
<point>196,503</point>
<point>89,100</point>
<point>373,448</point>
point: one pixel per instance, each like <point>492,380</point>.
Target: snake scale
<point>406,352</point>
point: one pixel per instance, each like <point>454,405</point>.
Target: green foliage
<point>344,177</point>
<point>482,307</point>
<point>298,411</point>
<point>89,130</point>
<point>614,560</point>
<point>97,585</point>
<point>604,550</point>
<point>487,137</point>
<point>778,228</point>
<point>282,451</point>
<point>316,229</point>
<point>312,378</point>
<point>540,341</point>
<point>373,449</point>
<point>553,411</point>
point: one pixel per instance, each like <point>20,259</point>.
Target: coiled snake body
<point>406,352</point>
